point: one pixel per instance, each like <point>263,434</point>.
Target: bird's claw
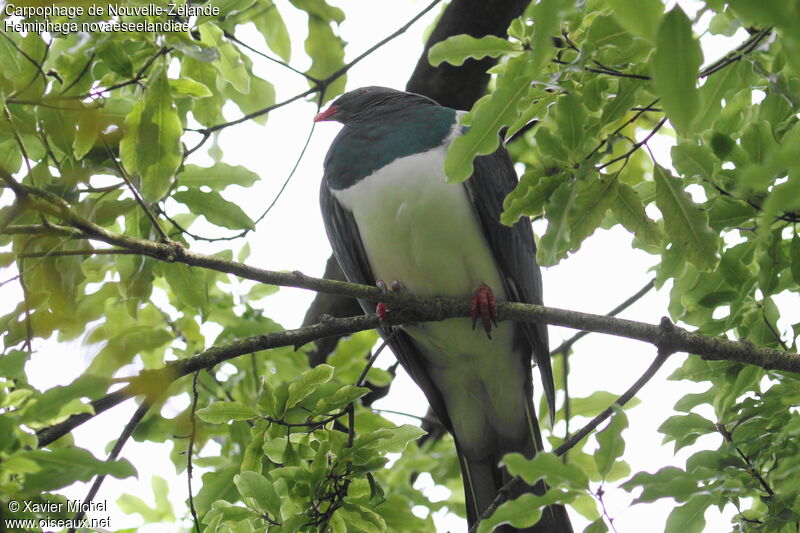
<point>484,306</point>
<point>382,309</point>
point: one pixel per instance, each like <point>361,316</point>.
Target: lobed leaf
<point>456,49</point>
<point>676,64</point>
<point>686,222</point>
<point>223,412</point>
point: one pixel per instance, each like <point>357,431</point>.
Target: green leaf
<point>757,141</point>
<point>217,177</point>
<point>668,482</point>
<point>326,51</point>
<point>399,437</point>
<point>596,403</point>
<point>523,511</point>
<point>717,87</point>
<point>223,412</point>
<point>272,27</point>
<point>158,150</point>
<point>640,18</point>
<point>547,466</point>
<point>215,208</point>
<point>224,512</point>
<point>189,285</point>
<point>260,96</point>
<point>629,210</point>
<point>89,127</point>
<point>320,9</point>
<point>555,242</point>
<point>207,111</point>
<point>794,252</point>
<point>12,364</point>
<point>163,512</point>
<point>612,445</point>
<point>216,485</point>
<point>592,202</point>
<point>488,115</point>
<point>686,429</point>
<point>689,517</point>
<point>129,144</point>
<point>50,404</point>
<point>260,490</point>
<point>362,518</point>
<point>546,17</point>
<point>253,454</point>
<point>570,118</point>
<point>65,466</point>
<point>676,64</point>
<point>686,223</point>
<point>115,58</point>
<point>190,87</point>
<point>342,397</point>
<point>693,161</point>
<point>598,526</point>
<point>230,64</point>
<point>308,382</point>
<point>530,111</point>
<point>622,102</point>
<point>456,49</point>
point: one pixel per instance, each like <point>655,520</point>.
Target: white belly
<point>422,231</point>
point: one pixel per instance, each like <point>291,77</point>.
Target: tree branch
<point>414,309</point>
<point>127,431</point>
<point>429,308</point>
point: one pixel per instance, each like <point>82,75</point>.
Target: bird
<point>390,214</point>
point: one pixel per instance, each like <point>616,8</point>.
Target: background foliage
<point>102,128</point>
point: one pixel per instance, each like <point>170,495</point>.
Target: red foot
<point>483,305</point>
<point>381,309</point>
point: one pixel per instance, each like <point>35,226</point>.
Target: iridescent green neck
<point>364,146</point>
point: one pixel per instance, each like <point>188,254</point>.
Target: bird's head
<point>370,103</point>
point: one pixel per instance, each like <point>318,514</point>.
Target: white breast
<point>421,230</point>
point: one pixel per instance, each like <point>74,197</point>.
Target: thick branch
<point>414,309</point>
<point>711,348</point>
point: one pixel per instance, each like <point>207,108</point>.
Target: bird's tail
<point>483,478</point>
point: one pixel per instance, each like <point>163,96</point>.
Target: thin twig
<point>39,71</point>
<point>567,344</point>
<point>261,217</point>
<point>190,451</point>
<point>26,300</point>
<point>635,147</point>
<point>87,251</point>
<point>127,431</point>
<point>81,74</point>
<point>124,175</point>
<point>284,64</point>
<point>747,462</point>
<point>135,80</point>
<point>731,57</point>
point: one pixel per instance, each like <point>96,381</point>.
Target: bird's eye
<point>363,91</point>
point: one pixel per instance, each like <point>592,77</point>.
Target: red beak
<point>326,115</point>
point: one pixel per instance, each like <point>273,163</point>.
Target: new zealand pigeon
<point>391,215</point>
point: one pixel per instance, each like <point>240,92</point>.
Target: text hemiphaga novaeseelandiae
<point>391,215</point>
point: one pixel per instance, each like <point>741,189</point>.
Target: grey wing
<point>515,250</point>
<point>348,249</point>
